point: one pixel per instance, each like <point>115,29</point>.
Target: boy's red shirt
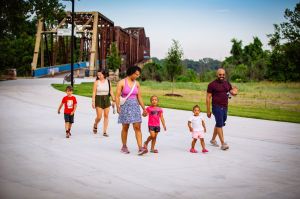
<point>69,103</point>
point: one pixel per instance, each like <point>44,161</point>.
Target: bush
<point>182,78</point>
<point>239,73</point>
<point>208,76</point>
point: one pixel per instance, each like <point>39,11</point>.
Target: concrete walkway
<point>37,161</point>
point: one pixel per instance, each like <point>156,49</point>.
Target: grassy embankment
<point>263,100</point>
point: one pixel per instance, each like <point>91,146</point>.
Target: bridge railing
<point>51,70</point>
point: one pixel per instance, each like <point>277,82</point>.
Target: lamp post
<point>72,46</point>
<point>72,43</point>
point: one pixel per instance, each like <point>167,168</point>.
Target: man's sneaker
<point>142,151</point>
<point>193,151</point>
<point>125,150</point>
<point>214,143</point>
<point>224,146</point>
<point>204,151</point>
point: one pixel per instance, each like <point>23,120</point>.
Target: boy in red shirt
<point>70,103</point>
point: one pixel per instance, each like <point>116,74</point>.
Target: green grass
<point>262,100</point>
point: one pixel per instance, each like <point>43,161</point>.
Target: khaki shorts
<point>102,101</point>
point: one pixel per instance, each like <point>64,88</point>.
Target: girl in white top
<point>101,100</point>
<point>197,127</point>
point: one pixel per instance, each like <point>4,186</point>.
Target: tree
<point>291,28</point>
<point>236,58</point>
<point>240,73</point>
<point>19,16</point>
<point>188,76</point>
<point>152,71</point>
<point>202,65</point>
<point>252,56</point>
<point>113,59</point>
<point>17,30</point>
<point>253,51</point>
<point>285,58</point>
<point>51,11</point>
<point>237,51</point>
<point>173,62</point>
<point>14,18</point>
<point>256,59</point>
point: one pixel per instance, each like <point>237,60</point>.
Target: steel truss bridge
<point>94,36</point>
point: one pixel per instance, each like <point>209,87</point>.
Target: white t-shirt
<point>197,123</point>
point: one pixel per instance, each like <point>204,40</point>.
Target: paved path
<point>37,161</point>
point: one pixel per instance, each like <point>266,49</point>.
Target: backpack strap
<point>108,87</point>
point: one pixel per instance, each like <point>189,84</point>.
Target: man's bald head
<point>220,74</point>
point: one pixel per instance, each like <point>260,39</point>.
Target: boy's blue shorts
<point>220,114</point>
<point>69,118</point>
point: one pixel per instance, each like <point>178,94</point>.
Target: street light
<point>72,44</point>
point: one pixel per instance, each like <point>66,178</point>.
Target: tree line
<point>191,70</point>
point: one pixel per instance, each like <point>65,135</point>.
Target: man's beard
<point>221,79</point>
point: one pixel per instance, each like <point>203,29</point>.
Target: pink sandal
<point>193,151</point>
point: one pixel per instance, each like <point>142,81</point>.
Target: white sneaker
<point>214,143</point>
<point>224,146</point>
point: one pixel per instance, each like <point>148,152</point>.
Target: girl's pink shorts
<point>198,134</point>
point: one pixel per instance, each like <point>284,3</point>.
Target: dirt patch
<point>173,95</point>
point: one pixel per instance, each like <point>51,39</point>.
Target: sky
<point>203,28</point>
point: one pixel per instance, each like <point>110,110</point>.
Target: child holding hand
<point>155,116</point>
